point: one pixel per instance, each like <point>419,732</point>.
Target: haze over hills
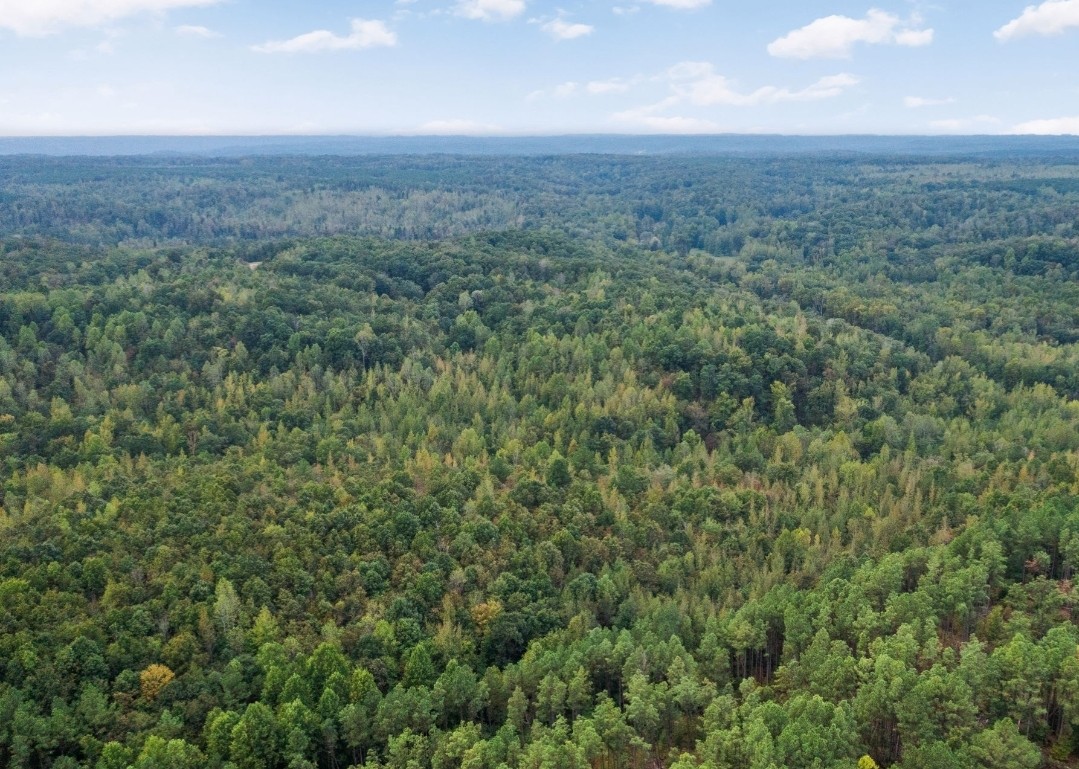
<point>735,144</point>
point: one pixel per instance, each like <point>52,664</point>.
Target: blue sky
<point>537,67</point>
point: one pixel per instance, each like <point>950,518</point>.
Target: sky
<point>521,67</point>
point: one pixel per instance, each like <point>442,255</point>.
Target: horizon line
<point>521,135</point>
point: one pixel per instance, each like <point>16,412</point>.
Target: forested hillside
<point>550,463</point>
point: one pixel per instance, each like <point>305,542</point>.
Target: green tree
<point>255,742</point>
<point>1003,747</point>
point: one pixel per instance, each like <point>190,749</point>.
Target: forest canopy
<point>696,462</point>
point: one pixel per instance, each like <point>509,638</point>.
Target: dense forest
<point>567,462</point>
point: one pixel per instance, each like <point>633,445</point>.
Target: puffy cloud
<point>1050,18</point>
<point>190,30</point>
<point>914,102</point>
<point>365,33</point>
<point>560,29</point>
<point>41,17</point>
<point>833,37</point>
<point>1049,127</point>
<point>490,10</point>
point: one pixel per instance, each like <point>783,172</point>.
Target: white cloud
<point>365,34</point>
<point>1050,18</point>
<point>490,10</point>
<point>190,30</point>
<point>1049,127</point>
<point>41,17</point>
<point>560,29</point>
<point>914,102</point>
<point>833,37</point>
<point>457,127</point>
<point>682,5</point>
<point>699,84</point>
<point>914,38</point>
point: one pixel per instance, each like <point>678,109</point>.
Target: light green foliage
<point>1003,747</point>
<point>158,753</point>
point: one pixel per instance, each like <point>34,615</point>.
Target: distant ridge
<point>740,144</point>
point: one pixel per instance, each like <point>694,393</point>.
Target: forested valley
<point>568,462</point>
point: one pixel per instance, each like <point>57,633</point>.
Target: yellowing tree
<point>153,679</point>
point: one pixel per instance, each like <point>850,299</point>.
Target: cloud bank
<point>1050,127</point>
